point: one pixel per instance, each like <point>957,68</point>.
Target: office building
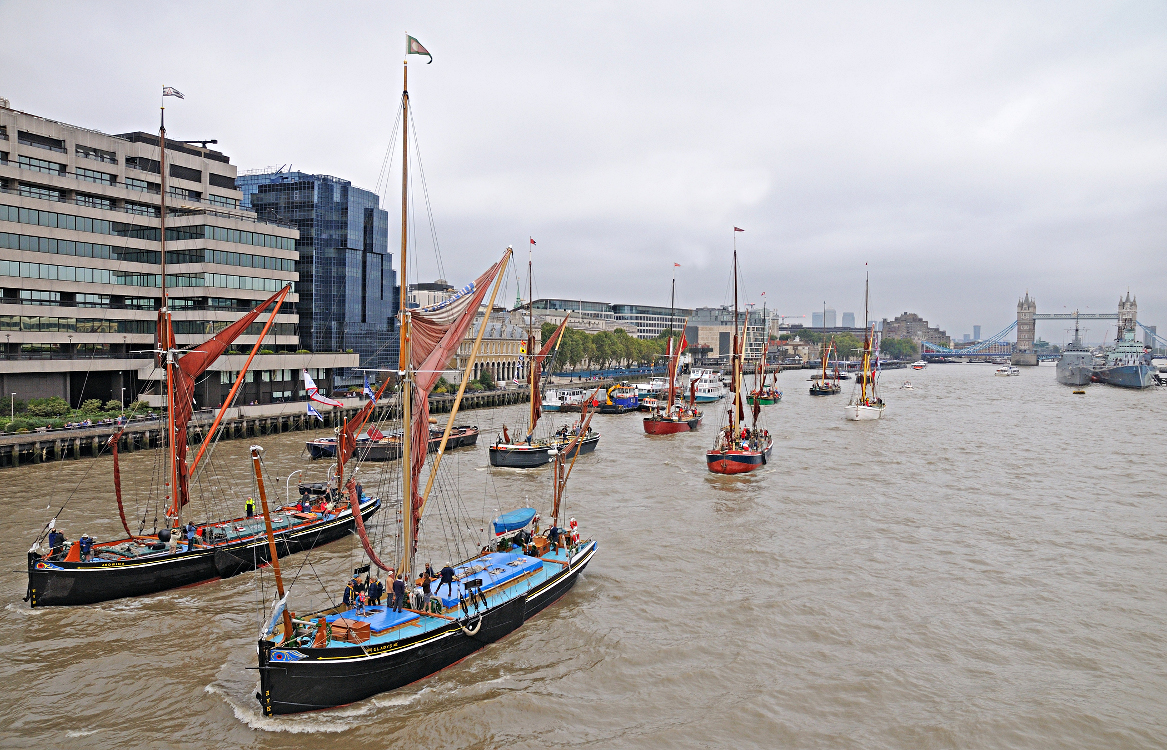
<point>912,326</point>
<point>648,322</point>
<point>347,280</point>
<point>429,293</point>
<point>710,330</point>
<point>976,333</point>
<point>848,320</point>
<point>80,264</point>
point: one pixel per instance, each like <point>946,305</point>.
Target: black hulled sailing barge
<point>532,450</point>
<point>344,654</point>
<point>181,554</point>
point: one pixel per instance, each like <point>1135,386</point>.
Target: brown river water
<point>984,567</point>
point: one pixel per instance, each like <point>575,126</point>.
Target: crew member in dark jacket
<point>447,579</point>
<point>398,594</point>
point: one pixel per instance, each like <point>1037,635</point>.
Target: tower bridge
<point>1023,353</point>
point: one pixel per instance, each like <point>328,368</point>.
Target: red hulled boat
<point>739,449</point>
<point>674,417</point>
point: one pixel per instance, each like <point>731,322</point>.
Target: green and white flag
<point>413,47</point>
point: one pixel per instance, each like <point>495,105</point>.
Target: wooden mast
<point>271,540</point>
<point>735,360</point>
<point>671,370</point>
<point>404,335</point>
<point>866,343</point>
<point>166,331</point>
<point>530,339</point>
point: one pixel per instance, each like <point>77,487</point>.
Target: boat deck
<point>504,576</point>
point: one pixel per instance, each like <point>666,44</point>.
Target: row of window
<point>33,244</point>
<point>103,276</point>
<point>70,325</point>
<point>51,324</point>
<point>134,231</point>
<point>267,376</point>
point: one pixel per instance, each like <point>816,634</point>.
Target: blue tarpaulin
<point>515,519</point>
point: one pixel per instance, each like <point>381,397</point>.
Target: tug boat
<point>344,653</point>
<point>738,449</point>
<point>621,399</point>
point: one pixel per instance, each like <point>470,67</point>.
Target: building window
<point>250,376</point>
<point>221,181</point>
<point>219,200</point>
<point>184,194</point>
<point>143,164</point>
<point>94,201</point>
<point>142,186</point>
<point>266,375</point>
<point>186,173</point>
<point>86,152</point>
<point>40,141</point>
<point>38,297</point>
<point>41,165</point>
<point>90,175</point>
<point>92,300</point>
<point>140,303</point>
<point>44,193</point>
<point>142,209</point>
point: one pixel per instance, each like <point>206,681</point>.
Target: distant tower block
<point>1024,354</point>
<point>848,320</point>
<point>976,333</point>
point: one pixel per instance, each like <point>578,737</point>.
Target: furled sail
<point>190,367</point>
<point>437,332</point>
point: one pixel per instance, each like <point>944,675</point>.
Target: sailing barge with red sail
<point>343,654</point>
<point>739,449</point>
<point>140,564</point>
<point>674,417</point>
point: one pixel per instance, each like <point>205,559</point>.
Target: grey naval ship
<point>1077,362</point>
<point>1128,364</point>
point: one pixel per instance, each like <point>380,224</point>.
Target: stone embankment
<point>241,422</point>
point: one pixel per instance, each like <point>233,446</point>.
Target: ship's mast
<point>735,359</point>
<point>530,337</point>
<point>866,342</point>
<point>671,370</point>
<point>166,331</point>
<point>404,363</point>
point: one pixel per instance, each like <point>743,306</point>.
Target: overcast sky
<point>965,152</point>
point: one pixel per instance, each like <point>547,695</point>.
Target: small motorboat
<point>919,364</point>
<point>1006,371</point>
<point>907,386</point>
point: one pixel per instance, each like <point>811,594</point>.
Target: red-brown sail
<point>190,366</point>
<point>437,333</point>
<point>117,479</point>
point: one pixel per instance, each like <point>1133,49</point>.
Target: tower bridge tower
<point>1024,354</point>
<point>1128,313</point>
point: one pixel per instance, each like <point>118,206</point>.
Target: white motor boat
<point>709,386</point>
<point>555,400</point>
<point>919,364</point>
<point>907,385</point>
<point>1006,371</point>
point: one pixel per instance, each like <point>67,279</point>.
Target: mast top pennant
<point>413,47</point>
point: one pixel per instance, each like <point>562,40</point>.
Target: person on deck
<point>376,590</point>
<point>250,506</point>
<point>350,592</point>
<point>86,547</point>
<point>190,535</point>
<point>427,579</point>
<point>398,594</point>
<point>447,579</point>
<point>56,542</point>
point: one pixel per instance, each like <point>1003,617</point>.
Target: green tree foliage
<point>90,405</point>
<point>112,405</point>
<point>486,379</point>
<point>899,348</point>
<point>443,386</point>
<point>53,406</point>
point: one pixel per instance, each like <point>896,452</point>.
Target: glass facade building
<point>347,280</point>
